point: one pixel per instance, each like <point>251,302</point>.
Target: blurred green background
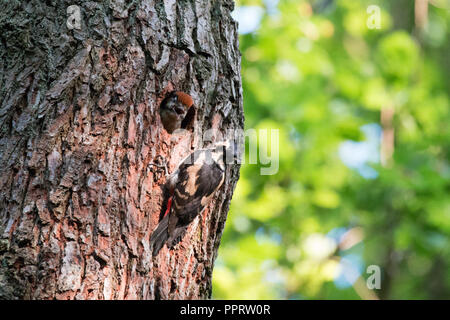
<point>364,176</point>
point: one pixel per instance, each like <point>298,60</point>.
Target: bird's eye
<point>179,110</point>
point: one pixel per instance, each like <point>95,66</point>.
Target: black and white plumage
<point>191,188</point>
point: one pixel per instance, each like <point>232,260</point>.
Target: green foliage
<point>320,76</point>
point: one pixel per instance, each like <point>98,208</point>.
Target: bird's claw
<point>162,164</point>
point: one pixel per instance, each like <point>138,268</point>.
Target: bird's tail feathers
<point>176,237</point>
<point>160,235</point>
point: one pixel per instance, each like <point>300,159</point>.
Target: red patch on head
<point>185,99</point>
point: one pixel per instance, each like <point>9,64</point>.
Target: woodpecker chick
<point>191,188</point>
<point>177,111</point>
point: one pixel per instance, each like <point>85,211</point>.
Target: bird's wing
<point>197,182</point>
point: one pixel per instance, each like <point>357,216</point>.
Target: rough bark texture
<point>79,126</point>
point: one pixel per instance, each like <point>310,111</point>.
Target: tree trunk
<point>80,126</point>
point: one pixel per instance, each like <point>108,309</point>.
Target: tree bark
<point>80,126</point>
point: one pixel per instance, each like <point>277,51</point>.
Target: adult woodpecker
<point>191,187</point>
<point>177,111</point>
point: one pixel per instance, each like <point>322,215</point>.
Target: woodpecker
<point>177,111</point>
<point>190,188</point>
